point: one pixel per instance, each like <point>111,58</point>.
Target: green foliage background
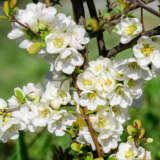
<point>17,68</point>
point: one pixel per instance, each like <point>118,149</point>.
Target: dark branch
<point>121,47</point>
<point>100,39</point>
<point>79,16</point>
<point>35,1</point>
<point>133,7</point>
<point>142,20</point>
<point>143,5</point>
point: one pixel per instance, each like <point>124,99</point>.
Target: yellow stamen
<point>131,29</point>
<point>87,82</point>
<point>146,50</point>
<point>58,42</point>
<point>129,153</point>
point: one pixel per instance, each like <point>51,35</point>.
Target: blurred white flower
<point>59,121</point>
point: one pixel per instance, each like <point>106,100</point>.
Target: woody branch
<point>79,16</point>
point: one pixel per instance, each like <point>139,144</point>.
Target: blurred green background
<point>17,68</point>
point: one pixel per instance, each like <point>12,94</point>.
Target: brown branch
<point>79,16</point>
<point>24,26</point>
<point>143,5</point>
<point>7,110</point>
<point>142,20</point>
<point>35,1</point>
<point>48,3</point>
<point>121,47</point>
<point>131,8</point>
<point>100,38</point>
<point>87,120</point>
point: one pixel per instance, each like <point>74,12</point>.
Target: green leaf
<point>131,130</point>
<point>76,147</point>
<point>116,11</point>
<point>15,9</point>
<point>115,29</point>
<point>35,47</point>
<point>6,8</point>
<point>19,95</point>
<point>112,158</point>
<point>99,158</point>
<point>137,123</point>
<point>12,3</point>
<point>79,71</point>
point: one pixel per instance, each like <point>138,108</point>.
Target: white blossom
<point>59,121</point>
<point>68,60</point>
<point>57,93</point>
<point>128,28</point>
<point>147,52</point>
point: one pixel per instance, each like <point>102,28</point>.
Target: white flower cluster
<point>60,37</point>
<point>33,110</point>
<point>108,87</point>
<point>129,151</point>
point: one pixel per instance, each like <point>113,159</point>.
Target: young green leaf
<point>6,8</point>
<point>35,47</point>
<point>12,3</point>
<point>20,97</point>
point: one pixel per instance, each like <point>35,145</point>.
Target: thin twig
<point>143,5</point>
<point>142,20</point>
<point>24,26</point>
<point>121,47</point>
<point>100,38</point>
<point>48,3</point>
<point>109,5</point>
<point>131,8</point>
<point>8,110</point>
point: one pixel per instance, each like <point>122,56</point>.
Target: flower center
<point>58,42</point>
<point>109,82</point>
<point>146,50</point>
<point>44,113</point>
<point>98,67</point>
<point>131,29</point>
<point>129,153</point>
<point>62,94</point>
<point>92,96</point>
<point>87,82</point>
<point>131,83</point>
<point>102,122</point>
<point>115,110</point>
<point>133,65</point>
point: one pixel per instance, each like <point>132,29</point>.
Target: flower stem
<point>21,148</point>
